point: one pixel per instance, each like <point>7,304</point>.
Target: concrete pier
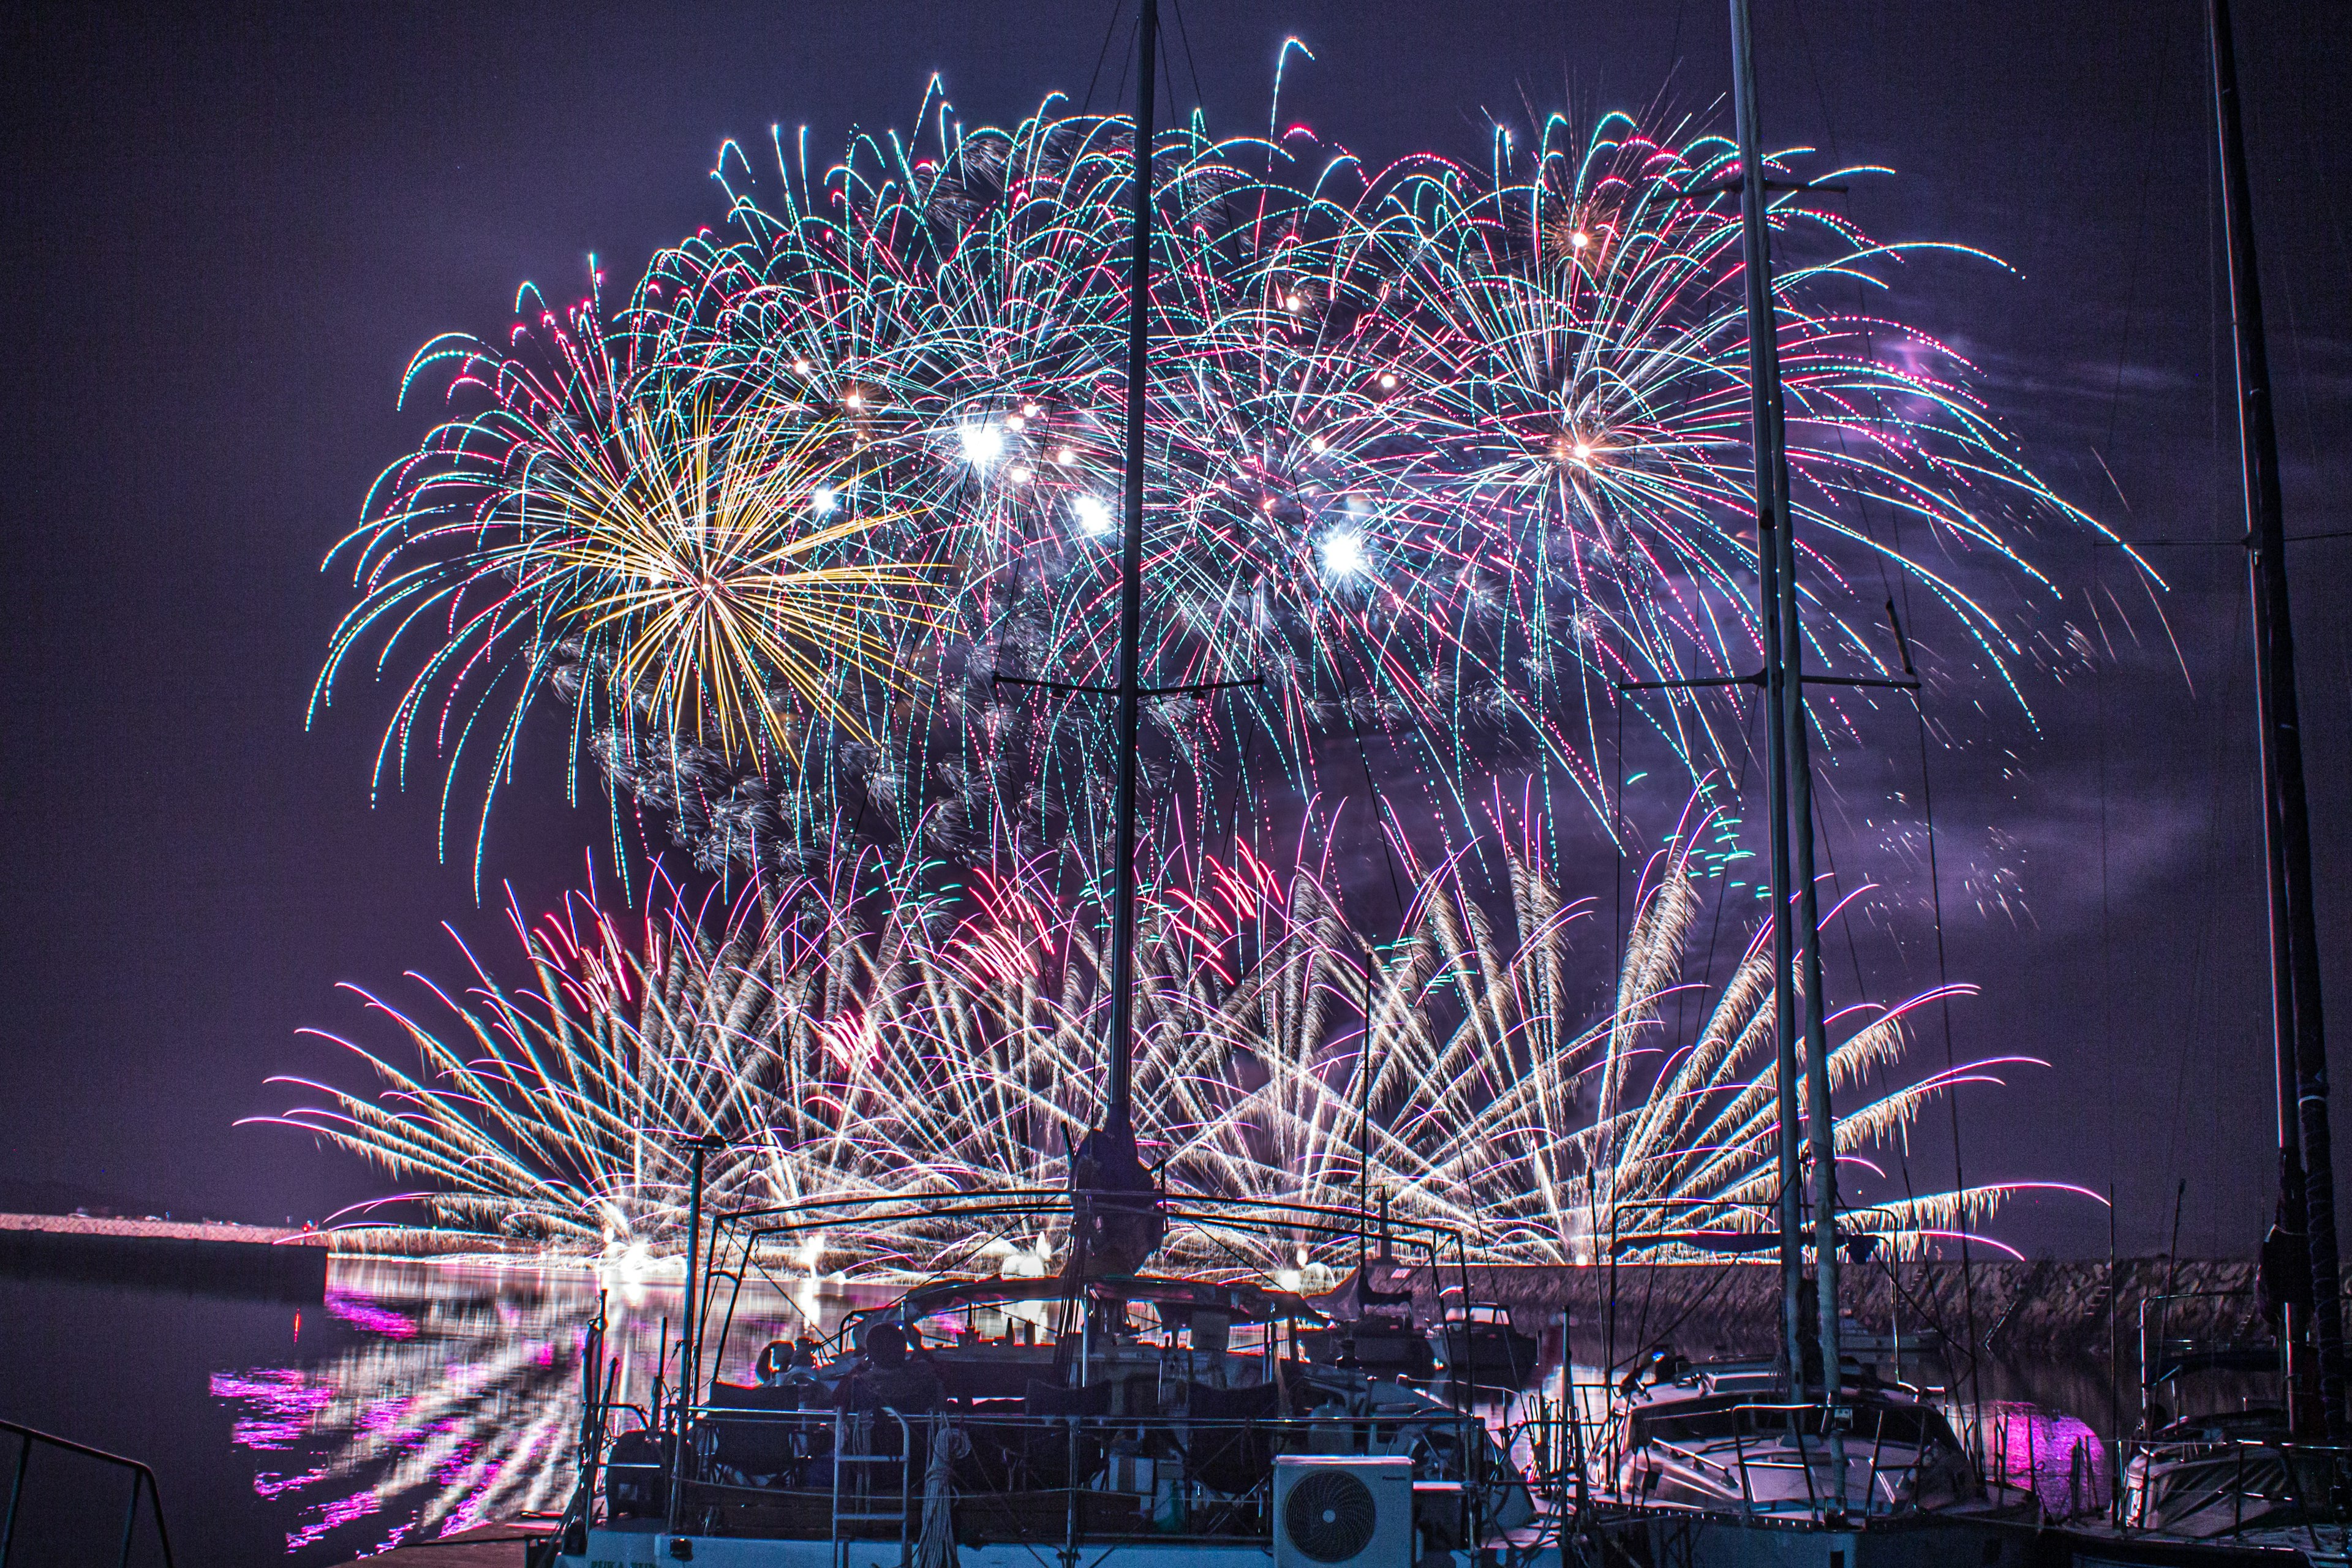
<point>162,1254</point>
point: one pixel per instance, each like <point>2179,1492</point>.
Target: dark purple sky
<point>227,233</point>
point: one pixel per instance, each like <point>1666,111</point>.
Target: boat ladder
<point>854,1501</point>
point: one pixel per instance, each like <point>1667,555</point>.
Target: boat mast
<point>1789,755</point>
<point>1763,348</point>
<point>1796,934</point>
<point>2306,1166</point>
<point>1114,1219</point>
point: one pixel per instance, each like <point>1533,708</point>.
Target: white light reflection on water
<point>455,1397</point>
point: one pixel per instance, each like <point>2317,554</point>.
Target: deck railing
<point>142,1485</point>
<point>2254,1477</point>
<point>1045,1479</point>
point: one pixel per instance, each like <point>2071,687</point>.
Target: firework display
<point>866,1039</point>
<point>809,538</point>
<point>1437,457</point>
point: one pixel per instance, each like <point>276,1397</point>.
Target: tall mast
<point>1764,384</point>
<point>2299,1036</point>
<point>1796,935</point>
<point>1114,1219</point>
<point>1118,1115</point>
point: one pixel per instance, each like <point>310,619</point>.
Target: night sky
<point>227,233</point>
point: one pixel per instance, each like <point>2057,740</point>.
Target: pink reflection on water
<point>2056,1456</point>
<point>475,1509</point>
<point>361,1312</point>
<point>453,1469</point>
<point>268,1485</point>
<point>333,1514</point>
<point>443,1397</point>
<point>284,1404</point>
<point>382,1418</point>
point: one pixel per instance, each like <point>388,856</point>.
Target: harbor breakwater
<point>2035,1308</point>
<point>233,1259</point>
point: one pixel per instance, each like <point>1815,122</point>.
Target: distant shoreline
<point>369,1242</point>
<point>163,1229</point>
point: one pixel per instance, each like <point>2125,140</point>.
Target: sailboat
<point>2275,1476</point>
<point>1719,1462</point>
<point>1107,1415</point>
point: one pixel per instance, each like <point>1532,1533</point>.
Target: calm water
<point>420,1398</point>
<point>417,1398</point>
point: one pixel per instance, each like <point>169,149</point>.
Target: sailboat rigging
<point>2307,1164</point>
<point>1115,1222</point>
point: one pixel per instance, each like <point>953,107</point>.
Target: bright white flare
<point>983,443</point>
<point>1344,554</point>
<point>1094,516</point>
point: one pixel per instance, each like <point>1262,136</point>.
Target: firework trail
<point>1437,456</point>
<point>860,1039</point>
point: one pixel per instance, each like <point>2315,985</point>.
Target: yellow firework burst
<point>708,564</point>
<point>674,556</point>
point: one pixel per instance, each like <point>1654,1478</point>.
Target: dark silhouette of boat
<point>1481,1349</point>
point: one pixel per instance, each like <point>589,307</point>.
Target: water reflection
<point>453,1397</point>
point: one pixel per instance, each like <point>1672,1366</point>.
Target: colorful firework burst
<point>856,1037</point>
<point>1437,457</point>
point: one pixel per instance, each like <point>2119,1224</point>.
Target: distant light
<point>1356,505</point>
<point>982,443</point>
<point>801,367</point>
<point>821,499</point>
<point>1017,421</point>
<point>1316,444</point>
<point>855,400</point>
<point>1388,381</point>
<point>1064,456</point>
<point>1029,410</point>
<point>1290,302</point>
<point>1580,240</point>
<point>1583,451</point>
<point>1094,516</point>
<point>1343,554</point>
<point>1018,473</point>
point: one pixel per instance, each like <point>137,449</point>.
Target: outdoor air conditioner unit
<point>1338,1508</point>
